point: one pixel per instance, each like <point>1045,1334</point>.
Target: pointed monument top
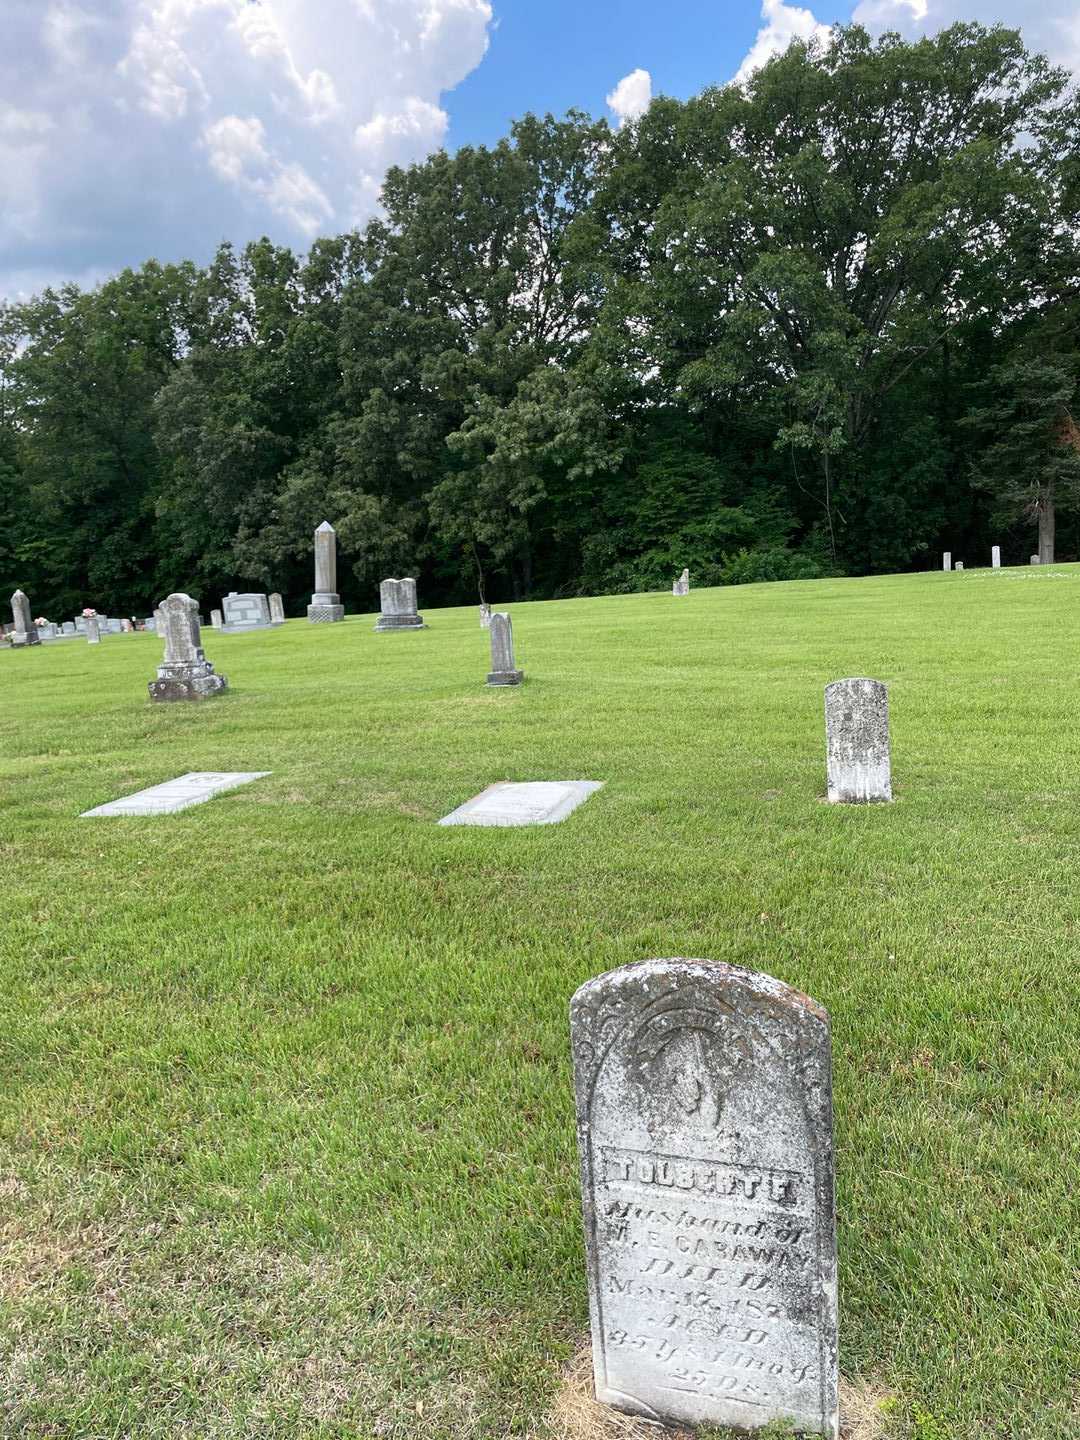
<point>325,526</point>
<point>21,594</point>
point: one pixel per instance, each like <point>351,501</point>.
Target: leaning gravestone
<point>397,605</point>
<point>185,673</point>
<point>245,612</point>
<point>503,671</point>
<point>326,606</point>
<point>277,610</point>
<point>26,632</point>
<point>857,741</point>
<point>704,1118</point>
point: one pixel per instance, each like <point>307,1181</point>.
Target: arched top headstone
<point>857,741</point>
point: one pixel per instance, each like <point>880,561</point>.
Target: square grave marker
<point>178,794</point>
<point>531,802</point>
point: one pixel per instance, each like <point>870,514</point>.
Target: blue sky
<point>132,129</point>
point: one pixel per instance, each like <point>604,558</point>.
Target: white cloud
<point>138,128</point>
<point>783,23</point>
<point>631,96</point>
<point>1052,26</point>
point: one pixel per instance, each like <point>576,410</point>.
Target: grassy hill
<point>286,1128</point>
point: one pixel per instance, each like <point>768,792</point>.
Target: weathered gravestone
<point>93,632</point>
<point>115,627</point>
<point>397,605</point>
<point>959,565</point>
<point>277,610</point>
<point>245,612</point>
<point>1035,560</point>
<point>326,606</point>
<point>995,557</point>
<point>946,560</point>
<point>151,622</point>
<point>503,671</point>
<point>857,741</point>
<point>68,627</point>
<point>26,632</point>
<point>185,673</point>
<point>682,585</point>
<point>215,619</point>
<point>704,1117</point>
<point>485,617</point>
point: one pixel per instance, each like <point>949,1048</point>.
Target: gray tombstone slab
<point>249,611</point>
<point>995,557</point>
<point>25,632</point>
<point>186,790</point>
<point>277,610</point>
<point>48,631</point>
<point>93,630</point>
<point>682,585</point>
<point>530,802</point>
<point>485,617</point>
<point>959,565</point>
<point>503,670</point>
<point>68,627</point>
<point>116,627</point>
<point>857,741</point>
<point>326,606</point>
<point>705,1134</point>
<point>397,606</point>
<point>216,619</point>
<point>946,560</point>
<point>1035,560</point>
<point>185,673</point>
<point>151,622</point>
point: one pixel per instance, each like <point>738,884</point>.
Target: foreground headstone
<point>946,560</point>
<point>503,671</point>
<point>245,612</point>
<point>995,557</point>
<point>277,610</point>
<point>485,617</point>
<point>704,1118</point>
<point>185,673</point>
<point>857,741</point>
<point>530,802</point>
<point>93,630</point>
<point>682,585</point>
<point>397,606</point>
<point>191,789</point>
<point>326,606</point>
<point>25,632</point>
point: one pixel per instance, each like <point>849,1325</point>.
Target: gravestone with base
<point>277,610</point>
<point>326,606</point>
<point>503,671</point>
<point>857,741</point>
<point>245,612</point>
<point>704,1118</point>
<point>397,606</point>
<point>185,673</point>
<point>25,632</point>
<point>682,585</point>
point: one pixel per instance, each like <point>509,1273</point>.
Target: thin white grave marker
<point>532,802</point>
<point>178,794</point>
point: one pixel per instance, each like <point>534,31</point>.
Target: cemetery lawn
<point>286,1128</point>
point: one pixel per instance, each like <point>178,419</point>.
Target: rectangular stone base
<point>21,639</point>
<point>506,677</point>
<point>400,622</point>
<point>325,614</point>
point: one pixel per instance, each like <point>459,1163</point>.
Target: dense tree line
<point>822,323</point>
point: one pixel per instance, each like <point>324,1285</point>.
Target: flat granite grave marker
<point>503,671</point>
<point>397,606</point>
<point>530,802</point>
<point>857,741</point>
<point>705,1134</point>
<point>25,632</point>
<point>184,673</point>
<point>326,607</point>
<point>191,789</point>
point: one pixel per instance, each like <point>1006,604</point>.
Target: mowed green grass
<point>286,1127</point>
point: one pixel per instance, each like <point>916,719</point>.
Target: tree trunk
<point>1046,528</point>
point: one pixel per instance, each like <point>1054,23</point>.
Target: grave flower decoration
<point>41,620</point>
<point>89,614</point>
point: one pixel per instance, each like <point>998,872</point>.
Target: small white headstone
<point>534,802</point>
<point>191,789</point>
<point>946,560</point>
<point>1035,560</point>
<point>995,557</point>
<point>959,565</point>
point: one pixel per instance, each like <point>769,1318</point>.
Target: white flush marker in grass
<point>532,802</point>
<point>178,794</point>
